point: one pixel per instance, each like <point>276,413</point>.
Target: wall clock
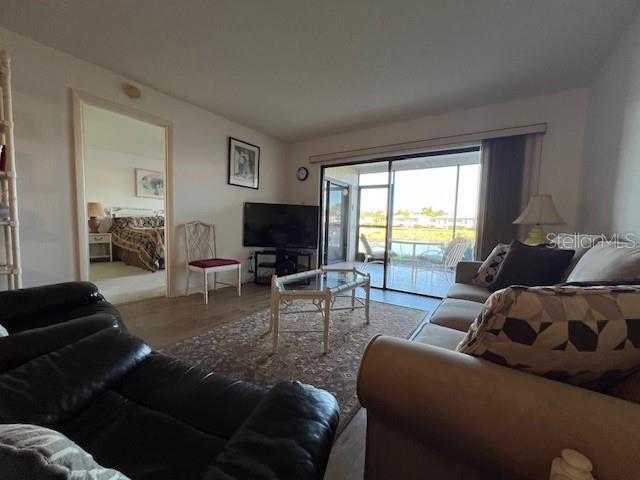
<point>302,173</point>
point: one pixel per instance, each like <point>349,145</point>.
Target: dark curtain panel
<point>503,170</point>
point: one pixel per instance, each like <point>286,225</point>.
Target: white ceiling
<point>301,68</point>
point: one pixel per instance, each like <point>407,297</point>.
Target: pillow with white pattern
<point>31,452</point>
<point>489,268</point>
<point>585,336</point>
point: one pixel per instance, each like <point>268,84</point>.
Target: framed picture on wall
<point>244,164</point>
<point>149,183</point>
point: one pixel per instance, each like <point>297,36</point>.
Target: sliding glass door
<point>373,202</point>
<point>416,219</point>
<point>336,225</point>
<point>434,221</point>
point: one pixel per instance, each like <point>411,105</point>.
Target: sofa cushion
<point>31,452</point>
<point>578,242</point>
<point>583,336</point>
<point>165,385</point>
<point>608,261</point>
<point>531,266</point>
<point>489,268</point>
<point>463,291</point>
<point>52,387</point>
<point>456,313</point>
<point>141,442</point>
<point>438,336</point>
<point>627,389</point>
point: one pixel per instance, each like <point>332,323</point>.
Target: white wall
<point>611,173</point>
<point>110,178</point>
<point>42,81</point>
<point>114,147</point>
<point>563,112</point>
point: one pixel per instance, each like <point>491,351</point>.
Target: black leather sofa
<point>36,307</point>
<point>76,370</point>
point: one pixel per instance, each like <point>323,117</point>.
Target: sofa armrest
<point>288,435</point>
<point>19,348</point>
<point>27,302</point>
<point>493,418</point>
<point>466,270</point>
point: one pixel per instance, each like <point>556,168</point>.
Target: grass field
<point>375,235</point>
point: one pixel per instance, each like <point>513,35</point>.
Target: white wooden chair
<point>202,258</point>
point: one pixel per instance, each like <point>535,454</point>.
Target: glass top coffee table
<point>322,287</point>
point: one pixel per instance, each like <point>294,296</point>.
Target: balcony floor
<point>405,278</point>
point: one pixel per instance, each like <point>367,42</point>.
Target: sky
<point>432,187</point>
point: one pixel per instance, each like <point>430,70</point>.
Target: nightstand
<point>100,247</point>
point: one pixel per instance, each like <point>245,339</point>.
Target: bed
<point>137,236</point>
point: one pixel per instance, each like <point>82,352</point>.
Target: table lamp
<point>95,210</point>
<point>539,211</point>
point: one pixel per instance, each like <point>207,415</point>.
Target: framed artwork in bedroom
<point>244,164</point>
<point>149,183</point>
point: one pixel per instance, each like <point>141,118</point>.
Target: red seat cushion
<point>213,262</point>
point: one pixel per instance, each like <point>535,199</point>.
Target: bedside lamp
<point>95,210</point>
<point>539,211</point>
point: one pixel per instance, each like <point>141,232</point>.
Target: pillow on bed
<point>584,336</point>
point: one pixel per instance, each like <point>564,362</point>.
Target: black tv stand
<point>280,262</point>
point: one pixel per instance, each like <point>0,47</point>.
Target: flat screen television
<point>280,226</point>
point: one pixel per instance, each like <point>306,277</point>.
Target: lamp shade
<point>540,211</point>
<point>95,209</point>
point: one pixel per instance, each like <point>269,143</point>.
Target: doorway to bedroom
<point>123,163</point>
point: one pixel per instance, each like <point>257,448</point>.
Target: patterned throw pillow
<point>584,336</point>
<point>30,452</point>
<point>489,268</point>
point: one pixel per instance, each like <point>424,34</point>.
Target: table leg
<point>367,291</point>
<point>276,326</point>
<point>271,313</point>
<point>353,299</point>
<point>327,318</point>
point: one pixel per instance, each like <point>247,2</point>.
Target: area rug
<point>242,349</point>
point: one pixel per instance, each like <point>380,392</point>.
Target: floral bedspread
<point>143,236</point>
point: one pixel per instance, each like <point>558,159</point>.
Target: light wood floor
<point>162,321</point>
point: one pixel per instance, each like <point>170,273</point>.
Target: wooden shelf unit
<point>10,241</point>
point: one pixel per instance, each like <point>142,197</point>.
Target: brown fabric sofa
<point>435,413</point>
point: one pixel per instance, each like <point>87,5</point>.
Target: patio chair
<point>446,264</point>
<point>375,255</point>
<point>371,255</point>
